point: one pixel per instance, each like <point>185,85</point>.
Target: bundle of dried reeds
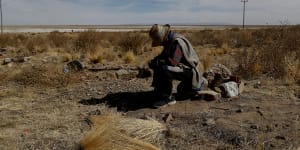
<point>119,132</point>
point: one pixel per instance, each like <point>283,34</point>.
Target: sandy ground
<point>33,116</point>
<point>45,109</point>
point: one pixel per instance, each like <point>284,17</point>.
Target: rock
<point>241,87</point>
<point>9,65</point>
<point>2,49</point>
<point>168,117</point>
<point>7,61</point>
<point>257,85</point>
<point>74,66</point>
<point>95,112</point>
<point>122,72</point>
<point>254,126</point>
<point>209,95</point>
<point>18,59</point>
<point>239,110</point>
<point>209,122</point>
<point>280,137</point>
<point>27,59</point>
<point>125,74</point>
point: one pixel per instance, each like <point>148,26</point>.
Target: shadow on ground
<point>124,101</point>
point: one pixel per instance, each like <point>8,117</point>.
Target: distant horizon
<point>135,12</point>
<point>140,24</point>
<point>115,28</point>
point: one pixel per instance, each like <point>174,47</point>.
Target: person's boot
<point>165,101</point>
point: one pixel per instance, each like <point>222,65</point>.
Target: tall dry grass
<point>271,51</point>
<point>275,53</point>
<point>113,131</point>
<point>133,41</point>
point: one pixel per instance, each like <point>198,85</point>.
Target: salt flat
<point>103,28</point>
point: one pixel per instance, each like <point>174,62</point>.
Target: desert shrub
<point>58,39</point>
<point>248,62</point>
<point>133,41</point>
<point>109,38</point>
<point>220,38</point>
<point>101,55</point>
<point>7,39</point>
<point>87,40</point>
<point>277,56</point>
<point>244,39</point>
<point>274,54</point>
<point>36,44</point>
<point>201,37</point>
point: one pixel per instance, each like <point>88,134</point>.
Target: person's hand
<point>154,63</point>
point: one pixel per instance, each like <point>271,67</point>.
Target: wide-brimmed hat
<point>158,34</point>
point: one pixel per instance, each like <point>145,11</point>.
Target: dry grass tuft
<point>44,76</point>
<point>119,132</point>
<point>101,55</point>
<point>67,57</point>
<point>129,57</point>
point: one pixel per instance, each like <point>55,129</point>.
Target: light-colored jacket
<point>192,59</point>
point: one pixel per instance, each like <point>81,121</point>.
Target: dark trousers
<point>162,81</point>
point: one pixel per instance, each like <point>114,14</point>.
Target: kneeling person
<point>178,61</point>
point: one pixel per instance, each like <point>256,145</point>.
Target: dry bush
<point>221,38</point>
<point>114,131</point>
<point>129,57</point>
<point>248,62</point>
<point>273,55</point>
<point>225,47</point>
<point>6,40</point>
<point>244,39</point>
<point>58,39</point>
<point>292,67</point>
<point>201,37</point>
<point>36,44</point>
<point>12,39</point>
<point>44,76</point>
<point>133,41</point>
<point>87,40</point>
<point>109,39</point>
<point>101,55</point>
<point>234,38</point>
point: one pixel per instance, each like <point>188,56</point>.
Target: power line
<point>1,16</point>
<point>244,1</point>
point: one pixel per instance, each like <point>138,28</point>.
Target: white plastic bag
<point>230,89</point>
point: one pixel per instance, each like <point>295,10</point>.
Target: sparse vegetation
<point>133,41</point>
<point>40,104</point>
<point>270,51</point>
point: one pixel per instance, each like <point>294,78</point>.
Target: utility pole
<point>244,1</point>
<point>1,16</point>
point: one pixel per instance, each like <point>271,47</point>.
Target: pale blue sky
<point>106,12</point>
